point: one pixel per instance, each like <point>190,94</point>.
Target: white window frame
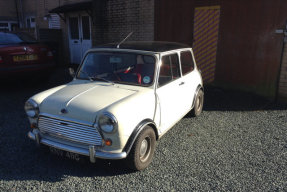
<point>9,27</point>
<point>32,24</point>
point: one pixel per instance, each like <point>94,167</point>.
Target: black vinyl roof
<point>153,46</point>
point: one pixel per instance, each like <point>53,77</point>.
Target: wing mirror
<point>72,72</point>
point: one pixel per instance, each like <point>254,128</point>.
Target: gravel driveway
<point>239,143</point>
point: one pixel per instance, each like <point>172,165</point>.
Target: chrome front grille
<point>69,131</point>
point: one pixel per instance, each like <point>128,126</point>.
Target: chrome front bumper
<point>91,152</point>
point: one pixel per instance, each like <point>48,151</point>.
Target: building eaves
<point>82,6</point>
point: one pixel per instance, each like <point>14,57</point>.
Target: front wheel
<point>198,104</point>
<point>142,151</point>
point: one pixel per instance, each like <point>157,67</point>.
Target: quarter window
<point>169,69</point>
<point>187,64</point>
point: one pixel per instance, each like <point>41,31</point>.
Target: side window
<point>169,69</point>
<point>187,64</point>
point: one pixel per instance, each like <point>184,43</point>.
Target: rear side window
<point>169,69</point>
<point>187,64</point>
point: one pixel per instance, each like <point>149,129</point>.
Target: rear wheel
<point>142,151</point>
<point>198,104</point>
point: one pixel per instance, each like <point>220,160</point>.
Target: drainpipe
<point>21,13</point>
<point>17,12</point>
<point>36,34</point>
<point>281,60</point>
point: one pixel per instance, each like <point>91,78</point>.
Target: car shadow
<point>33,163</point>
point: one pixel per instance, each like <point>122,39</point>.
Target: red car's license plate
<point>18,58</point>
<point>66,154</point>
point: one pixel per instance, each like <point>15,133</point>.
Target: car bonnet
<point>83,101</point>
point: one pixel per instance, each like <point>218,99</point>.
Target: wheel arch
<point>199,87</point>
<point>136,132</point>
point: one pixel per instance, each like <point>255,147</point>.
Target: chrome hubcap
<point>198,102</point>
<point>145,149</point>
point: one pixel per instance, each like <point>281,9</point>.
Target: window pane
<point>26,38</point>
<point>175,66</point>
<point>187,64</point>
<point>126,68</point>
<point>74,27</point>
<point>11,38</point>
<point>169,69</point>
<point>86,27</point>
<point>3,24</point>
<point>28,23</point>
<point>165,75</point>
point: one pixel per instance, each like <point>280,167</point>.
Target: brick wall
<point>7,10</point>
<point>43,8</point>
<point>121,17</point>
<point>112,20</point>
<point>282,90</point>
<point>64,2</point>
<point>29,7</point>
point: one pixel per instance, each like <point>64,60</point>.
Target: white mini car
<point>122,99</point>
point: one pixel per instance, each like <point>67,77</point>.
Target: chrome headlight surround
<point>107,123</point>
<point>31,108</point>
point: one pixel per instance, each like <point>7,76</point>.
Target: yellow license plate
<point>18,58</point>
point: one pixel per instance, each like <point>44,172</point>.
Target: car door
<point>189,78</point>
<point>170,92</point>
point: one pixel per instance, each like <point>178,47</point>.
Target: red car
<point>22,55</point>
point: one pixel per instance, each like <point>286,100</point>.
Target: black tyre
<point>142,151</point>
<point>198,104</point>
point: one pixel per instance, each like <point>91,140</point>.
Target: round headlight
<point>31,108</point>
<point>107,123</point>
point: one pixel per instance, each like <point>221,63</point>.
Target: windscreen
<point>15,38</point>
<point>118,67</point>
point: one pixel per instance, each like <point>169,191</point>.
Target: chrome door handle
<point>182,83</point>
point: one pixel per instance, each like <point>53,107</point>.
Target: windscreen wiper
<point>90,78</point>
<point>93,78</point>
<point>102,79</point>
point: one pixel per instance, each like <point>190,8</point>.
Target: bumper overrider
<point>92,152</point>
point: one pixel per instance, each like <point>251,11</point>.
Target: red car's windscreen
<point>15,38</point>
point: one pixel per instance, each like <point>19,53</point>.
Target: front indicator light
<point>33,126</point>
<point>108,142</point>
